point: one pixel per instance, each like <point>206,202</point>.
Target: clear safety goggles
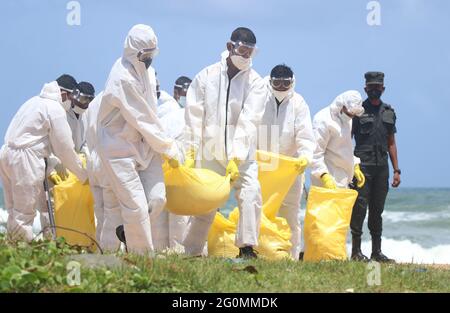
<point>244,49</point>
<point>82,98</point>
<point>147,53</point>
<point>65,89</point>
<point>184,87</point>
<point>280,82</point>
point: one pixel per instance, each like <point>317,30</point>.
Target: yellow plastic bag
<point>194,191</point>
<point>274,236</point>
<point>276,175</point>
<point>74,209</point>
<point>327,219</point>
<point>221,238</point>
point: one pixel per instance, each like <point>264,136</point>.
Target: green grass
<point>41,267</point>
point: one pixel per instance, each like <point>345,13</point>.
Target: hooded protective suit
<point>222,117</point>
<point>334,149</point>
<point>39,128</point>
<point>168,229</point>
<point>131,140</point>
<point>104,198</point>
<point>287,129</point>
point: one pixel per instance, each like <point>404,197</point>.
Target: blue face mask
<point>182,101</point>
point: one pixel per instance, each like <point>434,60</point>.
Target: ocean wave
<point>406,251</point>
<point>396,217</point>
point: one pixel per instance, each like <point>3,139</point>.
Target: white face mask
<point>240,62</point>
<point>182,101</point>
<point>280,95</point>
<point>66,104</point>
<point>78,110</point>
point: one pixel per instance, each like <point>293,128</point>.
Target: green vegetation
<point>42,267</point>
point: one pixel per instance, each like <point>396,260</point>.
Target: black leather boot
<point>247,253</point>
<point>357,255</point>
<point>377,255</point>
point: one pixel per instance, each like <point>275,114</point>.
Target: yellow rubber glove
<point>361,179</point>
<point>54,177</point>
<point>328,181</point>
<point>232,169</point>
<point>301,164</point>
<point>190,158</point>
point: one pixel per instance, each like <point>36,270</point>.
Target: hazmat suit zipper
<point>226,115</point>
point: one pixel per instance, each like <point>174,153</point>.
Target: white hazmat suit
<point>104,198</point>
<point>222,117</point>
<point>334,148</point>
<point>287,129</point>
<point>131,140</point>
<point>39,128</point>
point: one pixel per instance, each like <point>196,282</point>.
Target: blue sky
<point>328,44</point>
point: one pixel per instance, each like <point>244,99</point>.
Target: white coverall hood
<point>139,37</point>
<point>351,99</point>
<point>334,148</point>
<point>51,91</point>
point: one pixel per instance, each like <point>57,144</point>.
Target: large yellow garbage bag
<point>276,173</point>
<point>194,191</point>
<point>221,238</point>
<point>327,220</point>
<point>74,209</point>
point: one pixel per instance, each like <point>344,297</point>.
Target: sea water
<point>416,225</point>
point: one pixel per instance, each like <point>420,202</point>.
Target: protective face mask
<point>78,110</point>
<point>182,101</point>
<point>374,94</point>
<point>147,63</point>
<point>241,63</point>
<point>67,104</point>
<point>280,95</point>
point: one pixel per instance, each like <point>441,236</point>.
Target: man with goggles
<point>38,129</point>
<point>225,103</point>
<point>241,53</point>
<point>180,90</point>
<point>82,95</point>
<point>286,129</point>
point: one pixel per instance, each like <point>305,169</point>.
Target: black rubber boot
<point>377,255</point>
<point>301,255</point>
<point>357,255</point>
<point>247,253</point>
<point>120,233</point>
